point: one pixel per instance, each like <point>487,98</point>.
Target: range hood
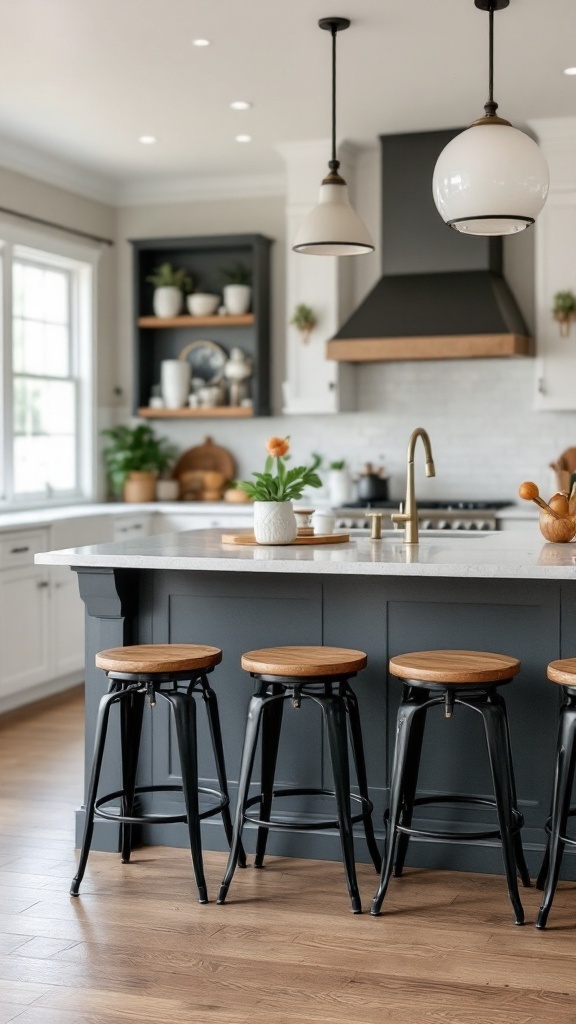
<point>442,295</point>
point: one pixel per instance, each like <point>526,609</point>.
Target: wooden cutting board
<point>318,538</point>
<point>206,457</point>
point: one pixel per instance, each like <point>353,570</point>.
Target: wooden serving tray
<point>318,538</point>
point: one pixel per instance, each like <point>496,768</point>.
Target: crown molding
<point>182,190</point>
<point>52,170</point>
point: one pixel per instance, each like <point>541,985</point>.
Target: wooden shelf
<point>214,412</point>
<point>196,321</point>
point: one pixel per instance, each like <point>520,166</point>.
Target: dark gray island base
<point>533,619</point>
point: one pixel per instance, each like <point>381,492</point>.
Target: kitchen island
<point>505,592</point>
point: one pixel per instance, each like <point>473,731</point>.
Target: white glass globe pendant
<point>333,228</point>
<point>492,179</point>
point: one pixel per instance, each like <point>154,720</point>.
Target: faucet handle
<point>400,517</point>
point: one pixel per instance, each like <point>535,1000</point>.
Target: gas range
<point>432,515</point>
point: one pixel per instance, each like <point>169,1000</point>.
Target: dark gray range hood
<point>442,294</point>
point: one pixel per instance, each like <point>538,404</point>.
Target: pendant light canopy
<point>332,228</point>
<point>491,179</point>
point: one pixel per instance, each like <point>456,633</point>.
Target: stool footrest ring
<point>366,805</point>
<point>569,840</point>
<point>151,819</point>
<point>455,836</point>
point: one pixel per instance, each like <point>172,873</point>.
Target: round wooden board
<point>318,538</point>
<point>207,457</point>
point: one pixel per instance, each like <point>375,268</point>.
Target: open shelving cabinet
<point>157,339</point>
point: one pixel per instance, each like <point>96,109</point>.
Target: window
<point>47,342</point>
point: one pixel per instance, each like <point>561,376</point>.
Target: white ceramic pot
<point>167,301</point>
<point>274,522</point>
<point>202,304</point>
<point>175,382</point>
<point>339,487</point>
<point>237,299</point>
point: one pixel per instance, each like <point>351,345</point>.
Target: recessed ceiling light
<point>240,105</point>
<point>201,42</point>
<point>243,138</point>
<point>570,71</point>
<point>147,140</point>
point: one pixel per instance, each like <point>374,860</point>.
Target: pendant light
<point>491,179</point>
<point>332,228</point>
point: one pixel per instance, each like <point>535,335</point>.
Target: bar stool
<point>564,673</point>
<point>319,674</point>
<point>469,678</point>
<point>157,670</point>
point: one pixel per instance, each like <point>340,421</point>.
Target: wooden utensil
<point>557,531</point>
<point>530,492</point>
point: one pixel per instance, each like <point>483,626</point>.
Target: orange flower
<point>277,446</point>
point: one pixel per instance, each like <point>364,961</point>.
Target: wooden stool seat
<point>563,672</point>
<point>304,661</point>
<point>147,659</point>
<point>455,667</point>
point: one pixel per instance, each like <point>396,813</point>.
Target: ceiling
<point>83,79</point>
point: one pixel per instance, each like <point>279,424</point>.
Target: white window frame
<point>82,260</point>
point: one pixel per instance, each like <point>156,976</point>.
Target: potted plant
<point>133,460</point>
<point>237,291</point>
<point>273,493</point>
<point>339,483</point>
<point>169,288</point>
<point>564,310</point>
<point>304,319</point>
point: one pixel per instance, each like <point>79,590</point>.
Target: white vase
<point>274,522</point>
<point>237,299</point>
<point>167,301</point>
<point>339,487</point>
<point>175,382</point>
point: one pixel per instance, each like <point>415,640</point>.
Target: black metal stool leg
<point>521,864</point>
<point>406,716</point>
<point>213,714</point>
<point>272,712</point>
<point>496,738</point>
<point>334,710</point>
<point>361,777</point>
<point>99,742</point>
<point>564,777</point>
<point>410,781</point>
<point>131,712</point>
<point>184,708</point>
<point>248,754</point>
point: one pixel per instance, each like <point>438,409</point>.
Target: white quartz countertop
<point>514,554</point>
<point>24,518</point>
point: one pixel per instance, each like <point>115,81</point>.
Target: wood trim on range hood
<point>468,346</point>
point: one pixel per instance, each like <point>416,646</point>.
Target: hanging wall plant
<point>304,320</point>
<point>564,311</point>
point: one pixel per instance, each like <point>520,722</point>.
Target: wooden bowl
<point>558,531</point>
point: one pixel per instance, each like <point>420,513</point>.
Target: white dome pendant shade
<point>333,228</point>
<point>492,179</point>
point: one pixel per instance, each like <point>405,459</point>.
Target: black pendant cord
<point>491,106</point>
<point>334,164</point>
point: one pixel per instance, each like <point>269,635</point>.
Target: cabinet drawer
<point>19,548</point>
<point>128,527</point>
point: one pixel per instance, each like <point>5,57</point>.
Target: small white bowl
<point>202,304</point>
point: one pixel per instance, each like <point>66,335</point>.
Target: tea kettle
<point>372,484</point>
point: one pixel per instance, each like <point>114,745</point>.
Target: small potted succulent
<point>564,310</point>
<point>133,460</point>
<point>237,289</point>
<point>170,286</point>
<point>304,319</point>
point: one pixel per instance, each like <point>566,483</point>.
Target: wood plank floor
<point>137,947</point>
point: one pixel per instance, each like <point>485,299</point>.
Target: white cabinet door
<point>555,271</point>
<point>176,522</point>
<point>24,636</point>
<point>131,526</point>
<point>67,607</point>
